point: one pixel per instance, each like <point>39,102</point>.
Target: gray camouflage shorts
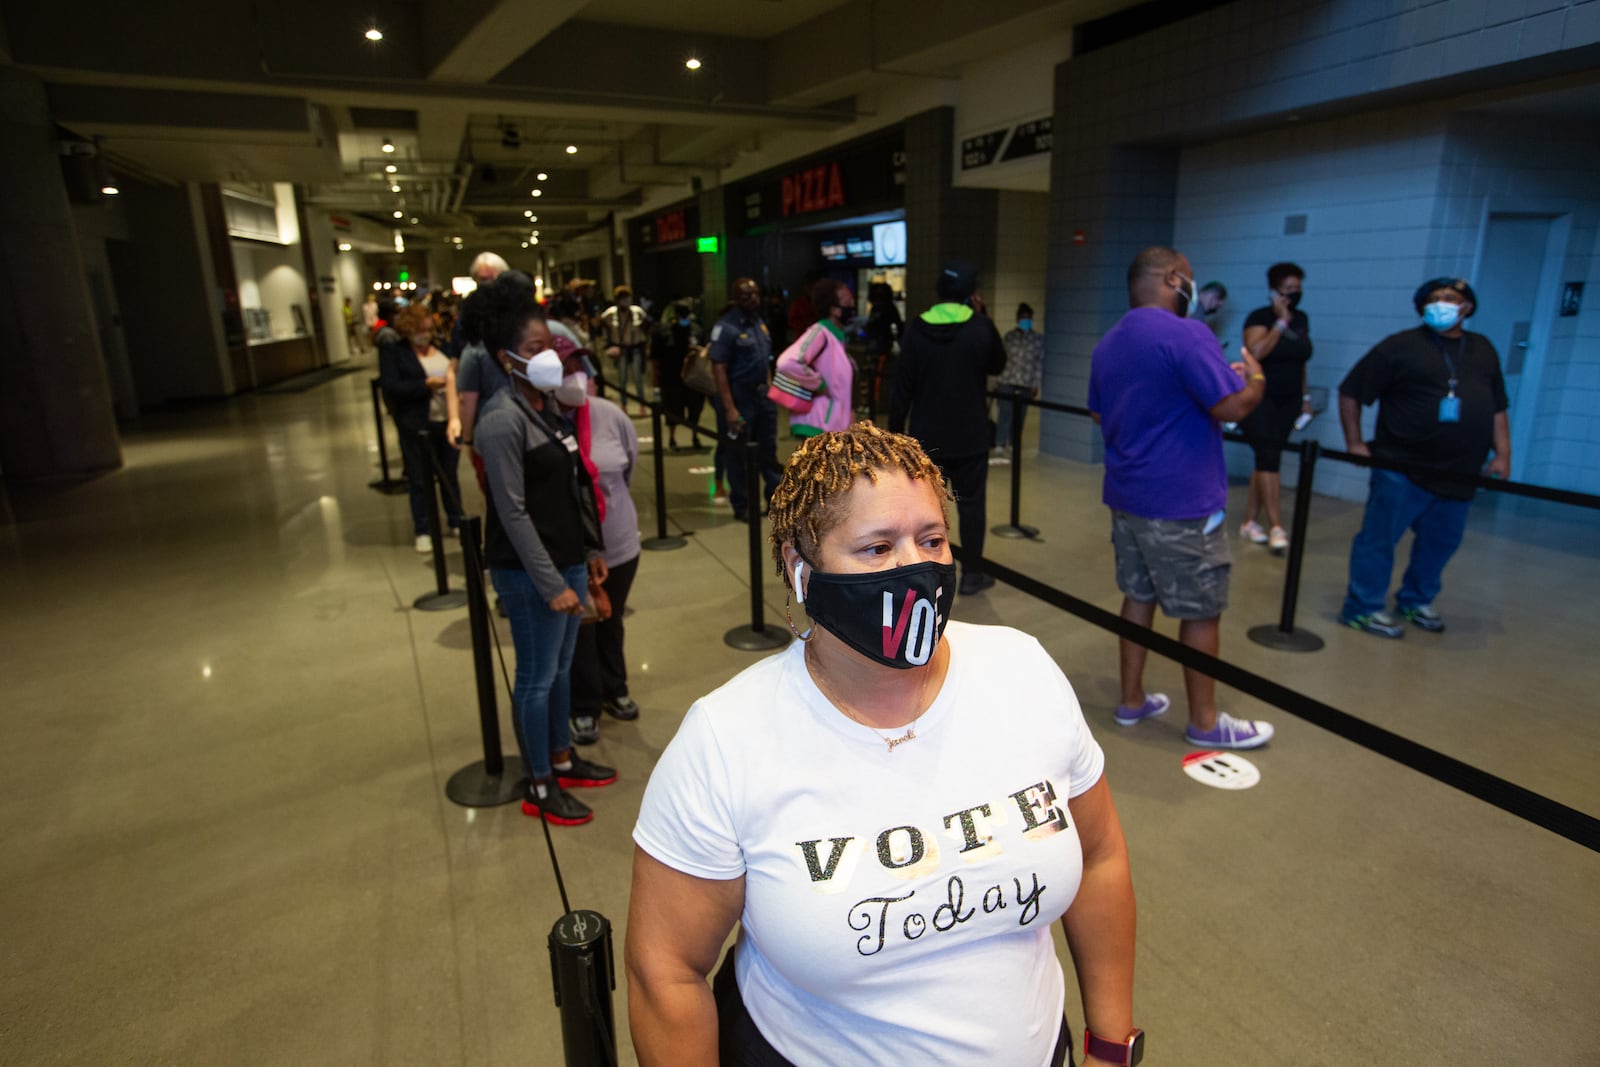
<point>1172,562</point>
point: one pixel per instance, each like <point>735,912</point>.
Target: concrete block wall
<point>1500,163</point>
<point>1367,189</point>
<point>1021,252</point>
<point>1124,113</point>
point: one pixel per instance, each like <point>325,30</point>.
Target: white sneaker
<point>424,543</point>
<point>1252,532</point>
<point>1278,540</point>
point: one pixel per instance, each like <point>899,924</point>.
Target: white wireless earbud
<point>799,593</point>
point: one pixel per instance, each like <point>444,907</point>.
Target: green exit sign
<point>405,276</point>
<point>707,245</point>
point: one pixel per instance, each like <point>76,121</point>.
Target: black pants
<point>599,667</point>
<point>761,426</point>
<point>969,480</point>
<point>741,1043</point>
<point>443,464</point>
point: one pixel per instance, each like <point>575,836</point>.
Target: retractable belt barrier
<point>583,969</point>
<point>1525,804</point>
<point>386,485</point>
<point>443,598</point>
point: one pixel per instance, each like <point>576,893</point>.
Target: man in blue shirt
<point>741,355</point>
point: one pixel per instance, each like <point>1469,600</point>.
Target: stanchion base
<point>455,598</point>
<point>474,787</point>
<point>1296,640</point>
<point>663,544</point>
<point>749,639</point>
<point>1015,532</point>
<point>390,486</point>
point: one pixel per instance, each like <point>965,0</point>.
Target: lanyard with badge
<point>1450,404</point>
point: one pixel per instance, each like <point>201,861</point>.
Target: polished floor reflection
<point>227,735</point>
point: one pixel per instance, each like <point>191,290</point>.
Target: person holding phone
<point>1279,337</point>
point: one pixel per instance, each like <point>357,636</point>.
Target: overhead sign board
<point>1022,141</point>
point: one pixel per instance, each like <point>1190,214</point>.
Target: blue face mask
<point>1025,325</point>
<point>683,322</point>
<point>1441,315</point>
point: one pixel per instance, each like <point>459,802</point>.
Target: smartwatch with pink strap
<point>1125,1053</point>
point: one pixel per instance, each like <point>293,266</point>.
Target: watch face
<point>1136,1050</point>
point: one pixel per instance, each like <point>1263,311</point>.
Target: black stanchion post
<point>662,541</point>
<point>489,782</point>
<point>758,636</point>
<point>1284,636</point>
<point>1015,528</point>
<point>386,485</point>
<point>584,973</point>
<point>443,598</point>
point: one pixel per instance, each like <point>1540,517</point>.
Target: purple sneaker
<point>1231,733</point>
<point>1154,704</point>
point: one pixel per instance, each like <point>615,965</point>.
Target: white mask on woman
<point>574,390</point>
<point>543,371</point>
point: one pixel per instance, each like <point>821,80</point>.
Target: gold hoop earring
<point>789,615</point>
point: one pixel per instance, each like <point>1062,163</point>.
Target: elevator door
<point>1514,252</point>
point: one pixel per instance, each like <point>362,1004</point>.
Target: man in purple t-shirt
<point>1158,387</point>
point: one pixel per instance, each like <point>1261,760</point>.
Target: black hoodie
<point>941,381</point>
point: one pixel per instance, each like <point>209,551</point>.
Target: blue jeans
<point>630,370</point>
<point>544,640</point>
<point>1002,420</point>
<point>1394,505</point>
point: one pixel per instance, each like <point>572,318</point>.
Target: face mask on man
<point>684,322</point>
<point>1187,295</point>
<point>543,371</point>
<point>893,617</point>
<point>1441,315</point>
<point>1292,299</point>
<point>573,392</point>
<point>1025,325</point>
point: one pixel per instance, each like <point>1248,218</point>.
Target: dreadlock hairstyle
<point>809,500</point>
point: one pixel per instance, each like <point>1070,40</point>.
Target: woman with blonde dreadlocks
<point>894,885</point>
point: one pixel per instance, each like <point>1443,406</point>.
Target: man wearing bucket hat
<point>1441,407</point>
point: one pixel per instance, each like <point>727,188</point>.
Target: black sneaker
<point>545,798</point>
<point>585,729</point>
<point>975,582</point>
<point>622,708</point>
<point>584,774</point>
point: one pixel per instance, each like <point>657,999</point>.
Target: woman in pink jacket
<point>818,362</point>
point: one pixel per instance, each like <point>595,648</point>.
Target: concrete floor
<point>227,736</point>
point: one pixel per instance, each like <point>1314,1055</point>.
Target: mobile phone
<point>1303,420</point>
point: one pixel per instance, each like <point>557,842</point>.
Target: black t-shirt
<point>1284,364</point>
<point>1408,374</point>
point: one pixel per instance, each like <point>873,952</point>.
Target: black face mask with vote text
<point>892,617</point>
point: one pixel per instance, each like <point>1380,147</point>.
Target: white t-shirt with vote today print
<point>898,903</point>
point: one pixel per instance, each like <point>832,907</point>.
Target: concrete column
<point>714,269</point>
<point>942,222</point>
<point>57,419</point>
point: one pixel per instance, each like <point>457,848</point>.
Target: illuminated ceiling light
<point>109,188</point>
<point>399,214</point>
<point>538,192</point>
<point>542,176</point>
<point>388,145</point>
<point>413,220</point>
<point>532,217</point>
<point>527,214</point>
<point>692,63</point>
<point>394,188</point>
<point>389,168</point>
<point>533,240</point>
<point>524,244</point>
<point>377,286</point>
<point>572,149</point>
<point>373,34</point>
<point>386,285</point>
<point>344,246</point>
